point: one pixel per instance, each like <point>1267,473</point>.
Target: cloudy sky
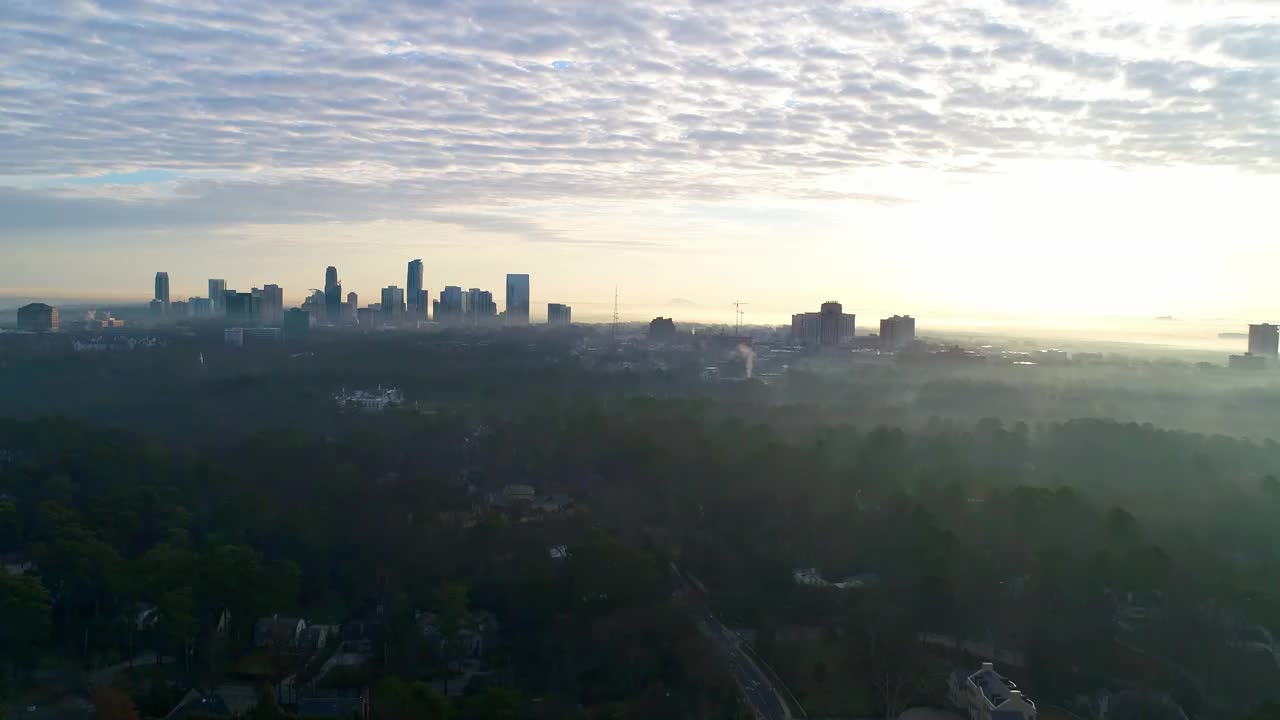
<point>971,158</point>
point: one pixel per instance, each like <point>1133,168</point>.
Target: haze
<point>967,158</point>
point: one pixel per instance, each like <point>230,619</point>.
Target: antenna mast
<point>615,312</point>
<point>737,310</point>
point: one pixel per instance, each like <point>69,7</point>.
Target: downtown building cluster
<point>410,305</point>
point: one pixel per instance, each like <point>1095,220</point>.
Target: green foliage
<point>395,699</point>
<point>24,606</point>
<point>10,526</point>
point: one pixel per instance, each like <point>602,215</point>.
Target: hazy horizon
<point>1052,159</point>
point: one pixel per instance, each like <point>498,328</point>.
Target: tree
<point>1265,711</point>
<point>492,704</point>
<point>10,526</point>
<point>178,623</point>
<point>25,606</point>
<point>394,699</point>
<point>113,704</point>
<point>1271,486</point>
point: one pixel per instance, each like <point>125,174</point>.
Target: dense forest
<point>1088,554</point>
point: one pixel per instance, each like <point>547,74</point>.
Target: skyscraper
<point>559,314</point>
<point>238,307</point>
<point>393,303</point>
<point>272,305</point>
<point>481,309</point>
<point>453,305</point>
<point>897,332</point>
<point>162,291</point>
<point>353,304</point>
<point>413,290</point>
<point>217,288</point>
<point>517,299</point>
<point>332,296</point>
<point>1264,339</point>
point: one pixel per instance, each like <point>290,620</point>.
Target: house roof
<point>340,707</point>
<point>197,703</point>
<point>996,688</point>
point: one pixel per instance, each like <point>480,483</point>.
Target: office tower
<point>1264,339</point>
<point>272,312</point>
<point>413,290</point>
<point>453,305</point>
<point>558,314</point>
<point>217,288</point>
<point>238,307</point>
<point>393,303</point>
<point>179,309</point>
<point>162,291</point>
<point>314,305</point>
<point>353,304</point>
<point>297,323</point>
<point>517,299</point>
<point>897,332</point>
<point>38,317</point>
<point>332,296</point>
<point>201,307</point>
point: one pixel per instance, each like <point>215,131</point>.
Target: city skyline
<point>970,157</point>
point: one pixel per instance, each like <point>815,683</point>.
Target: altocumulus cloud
<point>296,111</point>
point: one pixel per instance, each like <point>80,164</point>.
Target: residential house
<point>225,701</point>
<point>16,563</point>
<point>316,636</point>
<point>478,634</point>
<point>278,632</point>
<point>362,636</point>
<point>334,705</point>
<point>988,695</point>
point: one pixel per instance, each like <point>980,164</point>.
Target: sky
<point>1037,159</point>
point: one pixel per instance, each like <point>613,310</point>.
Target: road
<point>756,687</point>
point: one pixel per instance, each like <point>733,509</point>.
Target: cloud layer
<point>296,110</point>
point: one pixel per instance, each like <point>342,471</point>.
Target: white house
<point>988,695</point>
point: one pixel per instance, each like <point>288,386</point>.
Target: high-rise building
<point>217,288</point>
<point>481,309</point>
<point>831,327</point>
<point>179,309</point>
<point>897,332</point>
<point>393,303</point>
<point>162,291</point>
<point>559,314</point>
<point>272,309</point>
<point>201,307</point>
<point>353,304</point>
<point>332,296</point>
<point>238,307</point>
<point>517,311</point>
<point>314,305</point>
<point>38,317</point>
<point>413,290</point>
<point>829,323</point>
<point>1264,339</point>
<point>453,305</point>
<point>297,323</point>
